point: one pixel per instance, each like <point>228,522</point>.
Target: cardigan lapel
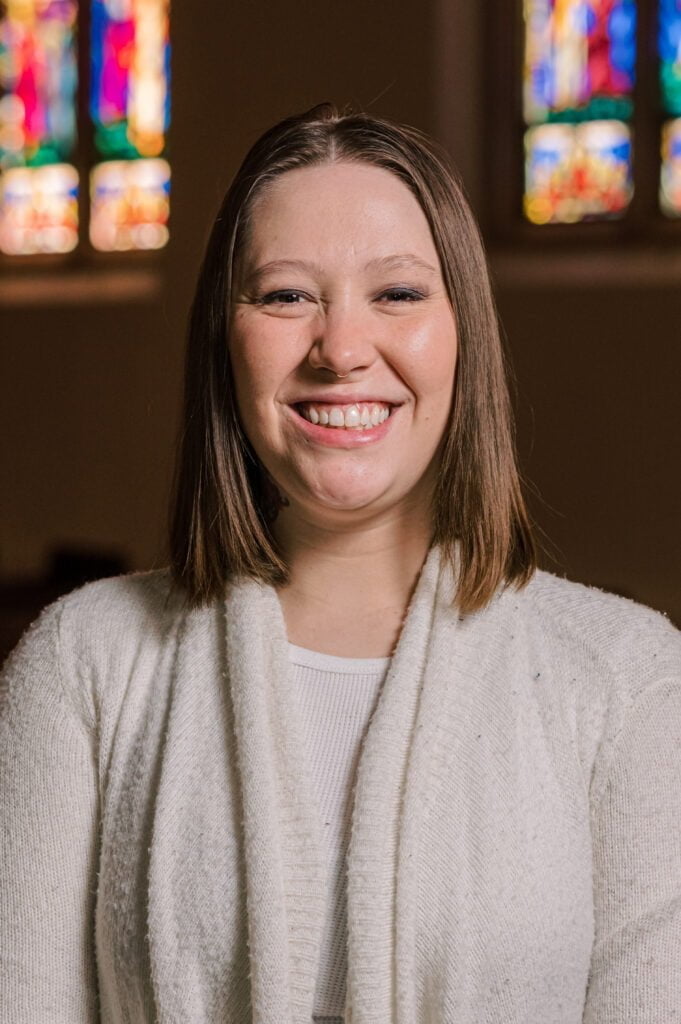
<point>381,838</point>
<point>285,862</point>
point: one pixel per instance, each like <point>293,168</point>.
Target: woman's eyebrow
<point>396,261</point>
<point>255,274</point>
<point>401,261</point>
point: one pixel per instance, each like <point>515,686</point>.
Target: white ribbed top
<point>337,697</point>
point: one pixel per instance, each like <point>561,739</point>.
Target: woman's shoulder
<point>77,640</point>
<point>616,630</point>
<point>118,601</point>
<point>110,610</point>
<point>618,665</point>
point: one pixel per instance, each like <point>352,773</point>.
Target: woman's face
<point>343,342</point>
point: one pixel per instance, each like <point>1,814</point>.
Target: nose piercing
<point>342,376</point>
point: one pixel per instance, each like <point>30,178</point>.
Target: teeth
<point>353,417</point>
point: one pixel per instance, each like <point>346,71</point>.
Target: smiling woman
<point>358,330</point>
<point>352,759</point>
<point>345,253</point>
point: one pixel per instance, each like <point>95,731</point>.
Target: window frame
<point>112,267</point>
<point>644,222</point>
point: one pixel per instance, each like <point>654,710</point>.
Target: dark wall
<point>86,420</point>
<point>90,391</point>
<point>598,373</point>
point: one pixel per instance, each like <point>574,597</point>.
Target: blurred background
<point>538,113</point>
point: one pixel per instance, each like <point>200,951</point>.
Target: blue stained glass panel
<point>129,89</point>
<point>580,58</point>
<point>669,50</point>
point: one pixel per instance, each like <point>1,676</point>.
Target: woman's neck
<point>349,590</point>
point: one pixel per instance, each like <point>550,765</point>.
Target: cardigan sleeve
<point>636,826</point>
<point>48,839</point>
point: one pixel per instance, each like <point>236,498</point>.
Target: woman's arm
<point>636,962</point>
<point>48,839</point>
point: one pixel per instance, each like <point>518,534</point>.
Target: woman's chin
<point>346,502</point>
<point>338,487</point>
<point>340,502</point>
<point>347,494</point>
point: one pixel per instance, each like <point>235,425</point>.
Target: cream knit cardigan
<point>515,855</point>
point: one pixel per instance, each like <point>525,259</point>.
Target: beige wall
<point>90,392</point>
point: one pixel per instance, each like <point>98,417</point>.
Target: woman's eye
<point>401,295</point>
<point>285,297</point>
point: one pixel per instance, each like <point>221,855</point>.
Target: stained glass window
<point>129,204</point>
<point>129,106</point>
<point>578,103</point>
<point>669,48</point>
<point>38,80</point>
<point>128,92</point>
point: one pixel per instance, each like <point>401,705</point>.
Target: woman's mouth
<point>355,416</point>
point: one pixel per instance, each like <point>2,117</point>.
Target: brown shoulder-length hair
<point>224,503</point>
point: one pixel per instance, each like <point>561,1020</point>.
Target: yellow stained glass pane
<point>129,204</point>
<point>39,210</point>
<point>670,178</point>
<point>576,172</point>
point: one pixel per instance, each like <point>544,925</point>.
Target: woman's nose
<point>343,342</point>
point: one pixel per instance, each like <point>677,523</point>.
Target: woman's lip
<point>343,400</point>
<point>341,437</point>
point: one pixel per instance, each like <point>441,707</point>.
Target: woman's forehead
<point>356,210</point>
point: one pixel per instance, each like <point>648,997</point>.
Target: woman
<point>353,758</point>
